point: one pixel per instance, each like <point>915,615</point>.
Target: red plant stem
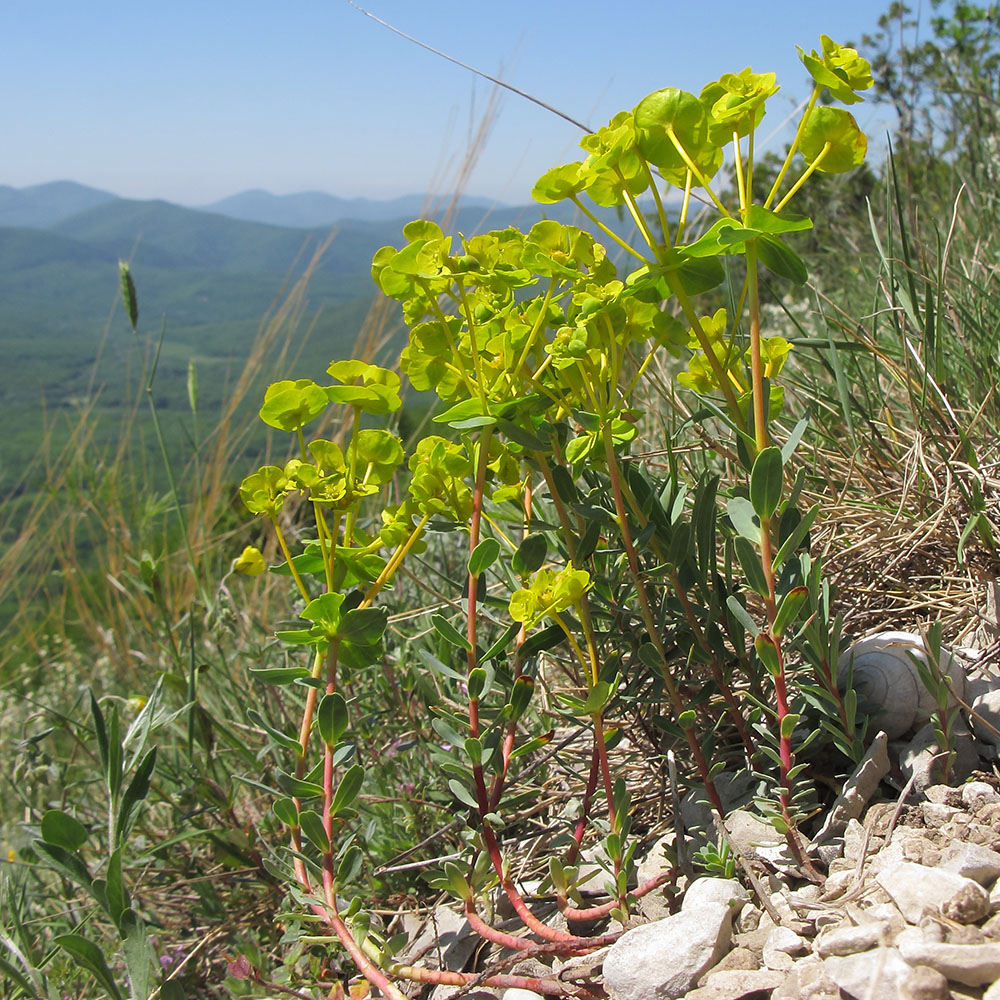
<point>496,858</point>
<point>484,930</point>
<point>549,987</point>
<point>581,824</point>
<point>572,945</point>
<point>602,755</point>
<point>571,912</point>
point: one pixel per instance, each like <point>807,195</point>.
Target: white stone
<point>726,891</point>
<point>663,960</point>
<point>655,905</point>
<point>918,890</point>
<point>936,814</point>
<point>973,861</point>
<point>732,984</point>
<point>849,940</point>
<point>807,980</point>
<point>868,975</point>
<point>516,994</point>
<point>970,964</point>
<point>984,699</point>
<point>977,792</point>
<point>922,759</point>
<point>924,983</point>
<point>780,947</point>
<point>857,790</point>
<point>854,837</point>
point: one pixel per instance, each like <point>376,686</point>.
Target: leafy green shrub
<point>696,601</point>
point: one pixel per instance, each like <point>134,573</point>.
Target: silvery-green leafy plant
<point>577,551</point>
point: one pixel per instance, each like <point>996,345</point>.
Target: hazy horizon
<point>192,103</point>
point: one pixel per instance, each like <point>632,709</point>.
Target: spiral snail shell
<point>888,684</point>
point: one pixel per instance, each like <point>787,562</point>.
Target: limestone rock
<point>924,983</point>
<point>976,792</point>
<point>735,984</point>
<point>858,789</point>
<point>868,975</point>
<point>918,891</point>
<point>921,758</point>
<point>850,939</point>
<point>807,980</point>
<point>726,891</point>
<point>970,964</point>
<point>984,699</point>
<point>655,905</point>
<point>972,861</point>
<point>780,947</point>
<point>663,960</point>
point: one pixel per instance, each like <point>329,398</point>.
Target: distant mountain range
<point>316,208</point>
<point>44,205</point>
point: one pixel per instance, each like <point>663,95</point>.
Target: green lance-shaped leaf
<point>285,810</point>
<point>483,556</point>
<point>749,558</point>
<point>128,293</point>
<point>520,696</point>
<point>478,683</point>
<point>297,787</point>
<point>767,650</point>
<point>115,889</point>
<point>833,134</point>
<point>766,479</point>
<point>788,724</point>
<point>474,750</point>
<point>449,633</point>
<point>779,258</point>
<point>350,865</point>
<point>282,739</point>
<point>87,954</point>
<point>332,718</point>
<point>364,625</point>
<point>67,863</point>
<point>530,554</point>
<point>312,827</point>
<point>742,514</point>
<point>63,830</point>
<point>137,790</point>
<point>789,609</point>
<point>347,790</point>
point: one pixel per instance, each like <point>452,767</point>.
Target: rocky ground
<point>907,907</point>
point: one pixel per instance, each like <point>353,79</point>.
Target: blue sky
<point>191,101</point>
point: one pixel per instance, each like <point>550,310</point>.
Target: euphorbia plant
<point>536,344</point>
